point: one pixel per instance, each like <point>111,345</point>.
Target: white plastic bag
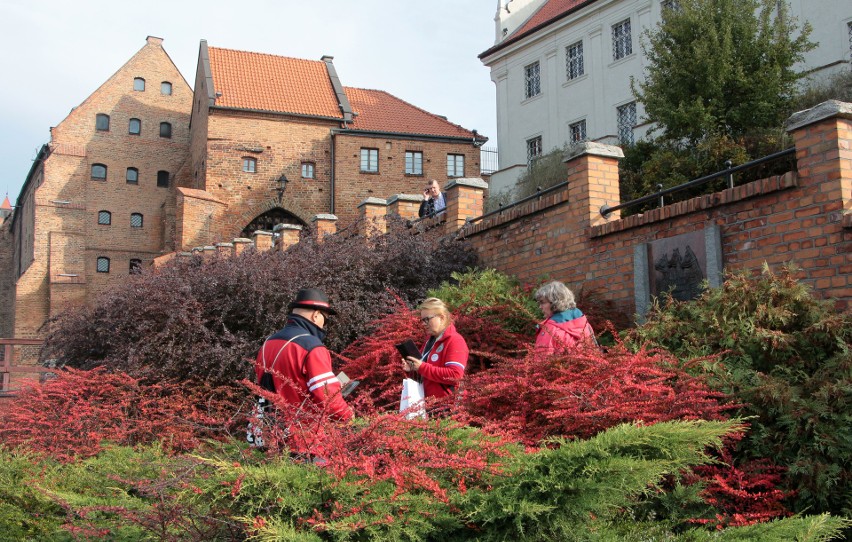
<point>412,399</point>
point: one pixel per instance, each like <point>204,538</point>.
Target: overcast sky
<point>57,52</point>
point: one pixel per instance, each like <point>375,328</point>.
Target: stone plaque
<point>677,264</point>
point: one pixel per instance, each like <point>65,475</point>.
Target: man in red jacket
<point>297,360</point>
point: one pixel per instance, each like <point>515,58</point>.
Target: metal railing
<point>539,193</point>
<point>661,194</point>
<point>488,160</point>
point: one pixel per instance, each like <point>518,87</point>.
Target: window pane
<point>533,149</point>
<point>622,44</point>
<point>166,88</point>
<point>103,265</point>
<point>132,175</point>
<point>532,80</point>
<point>139,84</point>
<point>165,129</point>
<point>249,165</point>
<point>99,172</point>
<point>163,178</point>
<point>578,131</point>
<point>414,163</point>
<point>105,218</point>
<point>135,126</point>
<point>102,122</point>
<point>626,122</point>
<point>307,170</point>
<point>370,160</point>
<point>135,220</point>
<point>455,165</point>
<point>574,60</point>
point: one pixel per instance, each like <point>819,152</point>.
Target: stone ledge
<point>593,148</point>
<point>323,216</point>
<point>404,197</point>
<point>373,201</point>
<point>473,182</point>
<point>823,111</point>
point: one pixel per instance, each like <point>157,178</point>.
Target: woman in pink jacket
<point>564,324</point>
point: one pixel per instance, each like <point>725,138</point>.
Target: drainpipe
<point>333,144</point>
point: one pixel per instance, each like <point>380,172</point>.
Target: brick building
<point>145,166</point>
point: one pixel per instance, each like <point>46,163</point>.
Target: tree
<point>721,67</point>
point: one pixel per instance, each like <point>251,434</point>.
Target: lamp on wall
<point>282,186</point>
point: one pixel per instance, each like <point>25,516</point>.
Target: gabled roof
<point>272,83</point>
<point>379,111</point>
<point>549,12</point>
<point>6,205</point>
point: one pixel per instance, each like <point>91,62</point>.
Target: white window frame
<point>309,170</point>
<point>622,39</point>
<point>626,119</point>
<point>535,148</point>
<point>369,160</point>
<point>414,162</point>
<point>574,64</point>
<point>249,164</point>
<point>577,131</point>
<point>532,80</point>
<point>455,165</point>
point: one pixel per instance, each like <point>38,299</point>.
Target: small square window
<point>413,163</point>
<point>134,127</point>
<point>532,80</point>
<point>163,179</point>
<point>370,160</point>
<point>139,84</point>
<point>578,131</point>
<point>104,218</point>
<point>102,122</point>
<point>166,88</point>
<point>165,129</point>
<point>308,170</point>
<point>455,165</point>
<point>132,175</point>
<point>103,265</point>
<point>135,266</point>
<point>99,172</point>
<point>249,165</point>
<point>136,220</point>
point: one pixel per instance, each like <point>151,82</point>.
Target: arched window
<point>99,172</point>
<point>103,264</point>
<point>163,179</point>
<point>165,129</point>
<point>135,127</point>
<point>268,220</point>
<point>132,175</point>
<point>139,84</point>
<point>104,218</point>
<point>102,122</point>
<point>136,220</point>
<point>249,165</point>
<point>166,88</point>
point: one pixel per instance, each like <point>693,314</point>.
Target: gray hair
<point>559,296</point>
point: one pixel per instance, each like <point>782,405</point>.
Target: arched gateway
<point>269,220</point>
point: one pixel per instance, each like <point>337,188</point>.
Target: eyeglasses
<point>426,319</point>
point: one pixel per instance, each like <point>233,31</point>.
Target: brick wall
<point>801,216</point>
<point>352,186</point>
<point>7,283</point>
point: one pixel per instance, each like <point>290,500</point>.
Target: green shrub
<point>788,357</point>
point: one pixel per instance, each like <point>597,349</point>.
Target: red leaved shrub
<point>70,416</point>
<point>587,390</point>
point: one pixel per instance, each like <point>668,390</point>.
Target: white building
<point>562,69</point>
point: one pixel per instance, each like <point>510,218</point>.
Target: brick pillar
<point>324,224</point>
<point>208,252</point>
<point>405,206</point>
<point>226,250</point>
<point>823,138</point>
<point>372,213</point>
<point>593,180</point>
<point>288,235</point>
<point>262,240</point>
<point>464,200</point>
<point>241,244</point>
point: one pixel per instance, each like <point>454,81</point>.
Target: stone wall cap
<point>261,232</point>
<point>279,227</point>
<point>184,253</point>
<point>823,111</point>
<point>373,201</point>
<point>323,216</point>
<point>197,249</point>
<point>405,197</point>
<point>209,247</point>
<point>224,245</point>
<point>473,182</point>
<point>591,147</point>
<point>241,240</point>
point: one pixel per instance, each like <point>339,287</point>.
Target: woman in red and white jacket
<point>443,358</point>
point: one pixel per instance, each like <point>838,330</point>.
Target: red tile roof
<point>6,206</point>
<point>272,83</point>
<point>382,112</point>
<point>549,12</point>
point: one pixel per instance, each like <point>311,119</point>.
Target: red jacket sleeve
<point>452,366</point>
<point>323,384</point>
